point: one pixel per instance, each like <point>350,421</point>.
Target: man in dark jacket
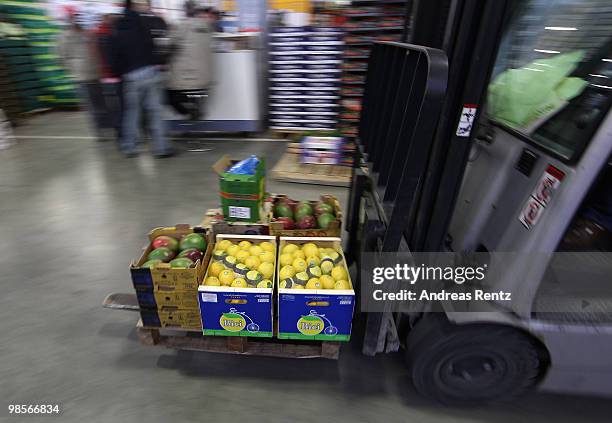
<point>135,60</point>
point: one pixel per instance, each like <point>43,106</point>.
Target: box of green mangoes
<point>175,258</point>
<point>322,218</point>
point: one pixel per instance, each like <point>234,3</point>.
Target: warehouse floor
<point>74,212</point>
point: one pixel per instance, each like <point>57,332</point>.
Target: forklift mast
<point>415,135</point>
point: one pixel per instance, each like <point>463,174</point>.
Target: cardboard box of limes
<point>315,292</point>
<point>241,195</point>
<point>236,296</point>
<point>156,271</point>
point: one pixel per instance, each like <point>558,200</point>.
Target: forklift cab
<point>516,167</point>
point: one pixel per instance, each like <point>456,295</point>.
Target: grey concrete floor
<point>74,212</point>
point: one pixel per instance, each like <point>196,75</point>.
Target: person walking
<point>76,52</point>
<point>134,59</point>
<point>110,83</point>
<point>190,67</point>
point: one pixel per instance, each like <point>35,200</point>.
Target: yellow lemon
<point>239,283</point>
<point>212,281</point>
<point>224,244</point>
<point>266,269</point>
<point>226,277</point>
<point>254,277</point>
<point>267,257</point>
<point>327,281</point>
<point>327,265</point>
<point>310,249</point>
<point>299,254</point>
<point>286,272</point>
<point>267,246</point>
<point>339,273</point>
<point>266,283</point>
<point>313,283</point>
<point>244,245</point>
<point>255,250</point>
<point>297,286</point>
<point>290,249</point>
<point>313,261</point>
<point>215,268</point>
<point>342,284</point>
<point>232,250</point>
<point>242,255</point>
<point>252,262</point>
<point>285,259</point>
<point>299,265</point>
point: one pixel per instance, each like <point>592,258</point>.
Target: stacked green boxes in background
<point>241,195</point>
<point>39,80</point>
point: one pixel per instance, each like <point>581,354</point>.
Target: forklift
<point>436,170</point>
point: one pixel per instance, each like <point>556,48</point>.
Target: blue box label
<point>236,313</point>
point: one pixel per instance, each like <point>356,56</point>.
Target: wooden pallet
<point>194,340</point>
<point>289,169</point>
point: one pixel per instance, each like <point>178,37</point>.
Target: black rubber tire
<point>471,364</point>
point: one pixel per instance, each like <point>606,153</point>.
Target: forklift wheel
<point>471,364</point>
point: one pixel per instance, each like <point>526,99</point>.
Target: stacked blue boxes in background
<point>305,69</point>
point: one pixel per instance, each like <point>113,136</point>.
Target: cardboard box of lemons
<point>226,277</point>
<point>314,283</point>
<point>327,281</point>
<point>310,249</point>
<point>266,269</point>
<point>286,272</point>
<point>339,273</point>
<point>252,262</point>
<point>255,250</point>
<point>299,265</point>
<point>299,254</point>
<point>285,259</point>
<point>242,255</point>
<point>239,283</point>
<point>267,246</point>
<point>212,281</point>
<point>290,249</point>
<point>342,284</point>
<point>232,250</point>
<point>223,244</point>
<point>244,245</point>
<point>215,268</point>
<point>267,257</point>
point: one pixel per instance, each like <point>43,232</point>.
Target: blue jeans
<point>142,88</point>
